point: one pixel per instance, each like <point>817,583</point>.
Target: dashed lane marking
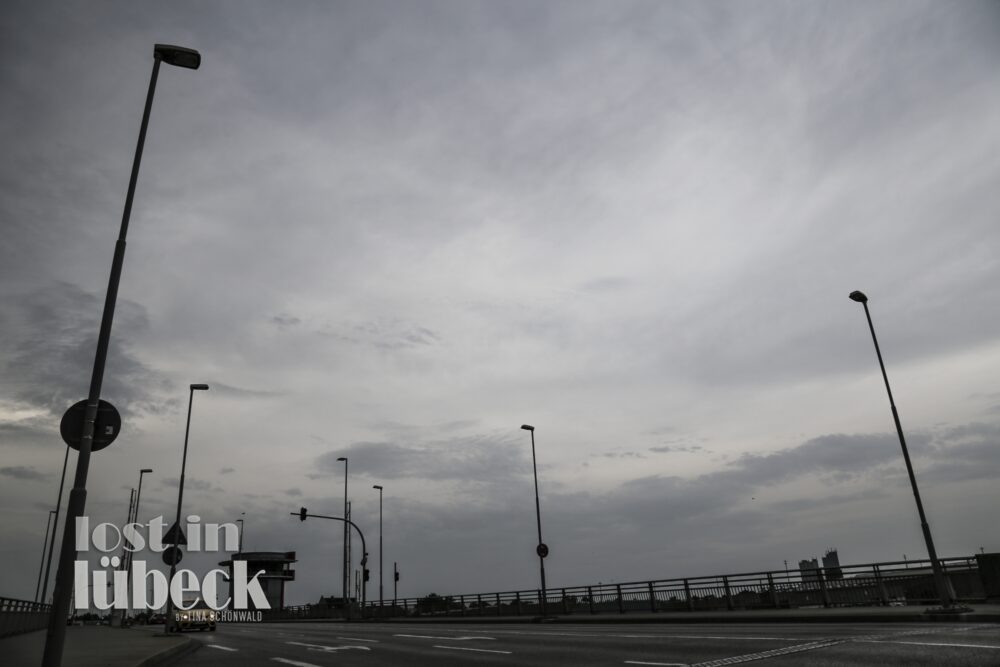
<point>450,639</point>
<point>356,639</point>
<point>294,662</point>
<point>749,657</point>
<point>886,641</point>
<point>223,648</point>
<point>328,649</point>
<point>478,650</point>
<point>669,664</point>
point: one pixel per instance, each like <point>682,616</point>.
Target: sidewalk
<point>100,646</point>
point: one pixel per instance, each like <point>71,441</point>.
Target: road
<point>417,644</point>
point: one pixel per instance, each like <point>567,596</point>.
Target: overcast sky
<point>396,231</point>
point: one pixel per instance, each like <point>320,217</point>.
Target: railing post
<point>461,600</point>
<point>565,605</point>
<point>621,605</point>
<point>687,595</point>
<point>498,604</point>
<point>406,607</point>
<point>822,586</point>
<point>883,594</point>
<point>517,603</point>
<point>479,604</point>
<point>541,605</point>
<point>729,597</point>
<point>590,598</point>
<point>770,588</point>
<point>652,598</point>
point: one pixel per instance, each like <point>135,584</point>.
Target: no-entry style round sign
<point>106,426</point>
<point>172,555</point>
<point>542,550</point>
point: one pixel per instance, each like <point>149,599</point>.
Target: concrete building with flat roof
<point>277,570</point>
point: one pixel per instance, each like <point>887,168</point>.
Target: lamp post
<point>379,487</point>
<point>52,539</point>
<point>45,544</point>
<point>240,521</point>
<point>168,624</point>
<point>542,550</point>
<point>347,607</point>
<point>130,554</point>
<point>56,635</point>
<point>944,590</point>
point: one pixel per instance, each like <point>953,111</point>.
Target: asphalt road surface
<point>378,644</point>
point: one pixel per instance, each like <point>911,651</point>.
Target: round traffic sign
<point>106,426</point>
<point>172,555</point>
<point>542,550</point>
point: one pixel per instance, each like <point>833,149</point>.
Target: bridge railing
<point>870,584</point>
<point>17,616</point>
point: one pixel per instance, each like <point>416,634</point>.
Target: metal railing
<point>871,584</point>
<point>18,616</point>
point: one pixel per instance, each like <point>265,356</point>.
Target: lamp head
<point>199,387</point>
<point>178,56</point>
<point>859,297</point>
<point>377,486</point>
<point>145,470</point>
<point>341,458</point>
<point>527,427</point>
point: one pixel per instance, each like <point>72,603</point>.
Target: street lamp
<point>240,521</point>
<point>379,487</point>
<point>56,635</point>
<point>45,543</point>
<point>52,539</point>
<point>130,554</point>
<point>180,498</point>
<point>944,590</point>
<point>345,577</point>
<point>542,549</point>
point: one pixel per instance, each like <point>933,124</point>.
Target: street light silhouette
<point>379,487</point>
<point>240,521</point>
<point>345,573</point>
<point>130,554</point>
<point>45,544</point>
<point>180,499</point>
<point>177,56</point>
<point>944,590</point>
<point>304,514</point>
<point>542,550</point>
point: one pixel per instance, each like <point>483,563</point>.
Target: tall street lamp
<point>56,635</point>
<point>379,487</point>
<point>52,539</point>
<point>542,549</point>
<point>45,544</point>
<point>135,519</point>
<point>345,574</point>
<point>944,590</point>
<point>240,521</point>
<point>180,499</point>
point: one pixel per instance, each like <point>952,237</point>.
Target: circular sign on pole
<point>106,427</point>
<point>542,550</point>
<point>172,555</point>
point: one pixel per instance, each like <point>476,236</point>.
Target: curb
<point>171,653</point>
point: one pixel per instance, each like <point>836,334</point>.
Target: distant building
<point>831,565</point>
<point>277,570</point>
<point>809,570</point>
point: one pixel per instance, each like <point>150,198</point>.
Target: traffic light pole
<point>303,514</point>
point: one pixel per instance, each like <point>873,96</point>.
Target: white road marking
<point>450,639</point>
<point>328,649</point>
<point>750,657</point>
<point>876,641</point>
<point>478,650</point>
<point>224,648</point>
<point>294,662</point>
<point>670,664</point>
<point>356,639</point>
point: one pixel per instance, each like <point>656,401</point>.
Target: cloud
<point>226,471</point>
<point>293,492</point>
<point>668,449</point>
<point>25,473</point>
<point>191,484</point>
<point>384,334</point>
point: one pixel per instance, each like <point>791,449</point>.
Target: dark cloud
<point>385,334</point>
<point>482,458</point>
<point>226,471</point>
<point>668,449</point>
<point>50,352</point>
<point>240,392</point>
<point>24,473</point>
<point>31,432</point>
<point>192,484</point>
<point>284,321</point>
<point>293,492</point>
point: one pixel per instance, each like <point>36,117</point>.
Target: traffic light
<point>367,571</point>
<point>397,576</point>
<point>302,513</point>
